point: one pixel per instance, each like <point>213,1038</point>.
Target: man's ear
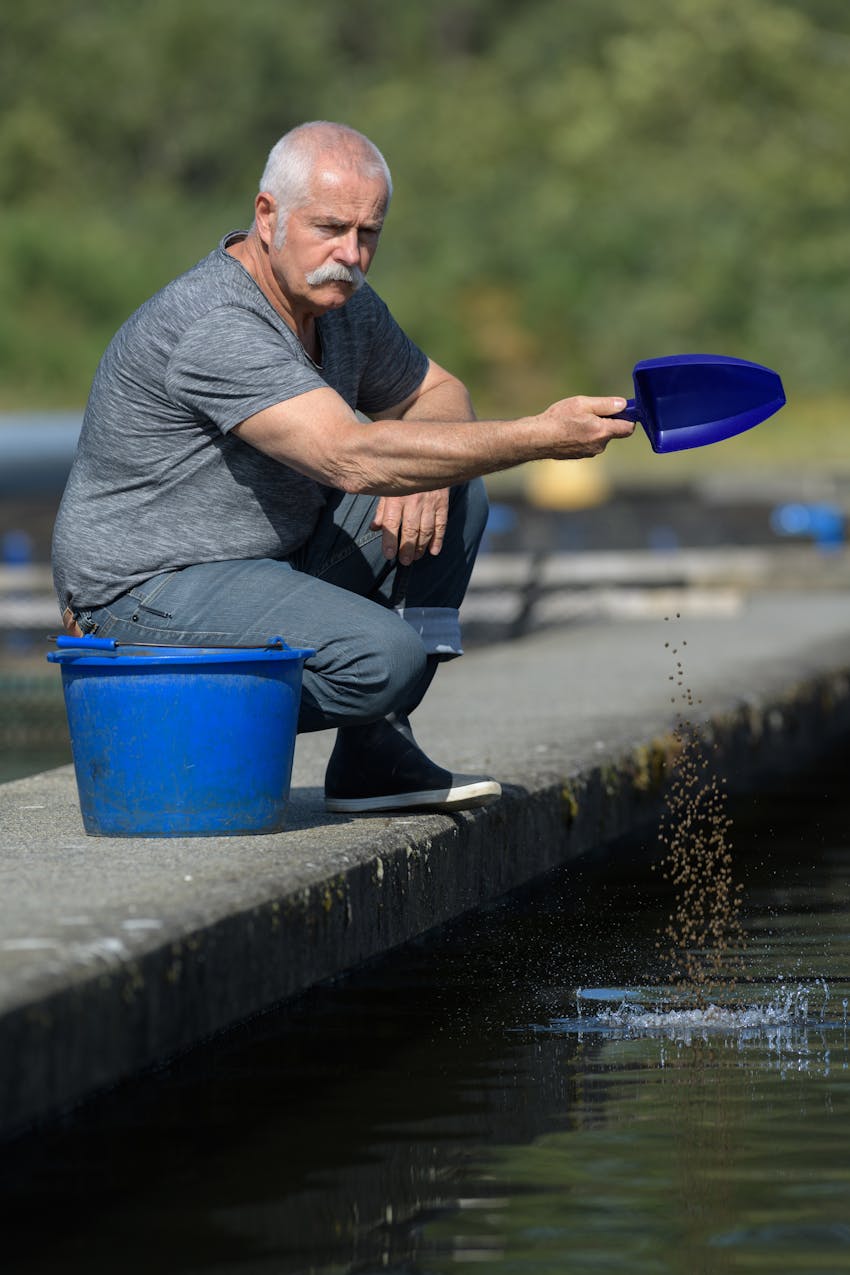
<point>265,216</point>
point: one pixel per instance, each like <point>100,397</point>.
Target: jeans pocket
<point>144,608</point>
<point>144,596</point>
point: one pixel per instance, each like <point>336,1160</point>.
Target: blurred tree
<point>577,185</point>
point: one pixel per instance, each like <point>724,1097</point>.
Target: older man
<point>265,451</point>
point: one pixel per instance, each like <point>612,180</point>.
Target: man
<point>265,451</point>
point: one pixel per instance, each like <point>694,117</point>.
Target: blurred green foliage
<point>579,183</point>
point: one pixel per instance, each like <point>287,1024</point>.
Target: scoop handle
<point>631,412</point>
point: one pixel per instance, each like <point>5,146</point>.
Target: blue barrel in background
<point>181,741</point>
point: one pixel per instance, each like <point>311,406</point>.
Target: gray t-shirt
<point>158,480</point>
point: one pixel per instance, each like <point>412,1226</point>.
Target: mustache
<point>336,272</point>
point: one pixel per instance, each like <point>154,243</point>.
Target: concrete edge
<point>61,1049</point>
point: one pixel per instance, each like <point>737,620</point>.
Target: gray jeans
<point>372,623</point>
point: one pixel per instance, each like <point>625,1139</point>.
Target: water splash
<point>772,1013</point>
<point>787,1008</point>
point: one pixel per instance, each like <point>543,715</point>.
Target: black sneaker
<point>381,767</point>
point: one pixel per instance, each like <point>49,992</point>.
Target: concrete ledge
<point>115,954</point>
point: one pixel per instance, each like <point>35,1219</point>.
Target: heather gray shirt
<point>158,480</point>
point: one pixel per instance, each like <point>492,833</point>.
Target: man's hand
<point>584,426</point>
<point>412,525</point>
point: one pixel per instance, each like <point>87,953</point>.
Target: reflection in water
<point>459,1102</point>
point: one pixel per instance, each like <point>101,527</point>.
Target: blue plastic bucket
<point>181,741</point>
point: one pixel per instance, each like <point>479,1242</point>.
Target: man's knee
<point>397,666</point>
<point>364,678</point>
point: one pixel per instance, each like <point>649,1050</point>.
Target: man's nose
<point>348,248</point>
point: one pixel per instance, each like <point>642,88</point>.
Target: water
<point>515,1093</point>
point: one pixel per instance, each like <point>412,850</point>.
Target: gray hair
<point>293,160</point>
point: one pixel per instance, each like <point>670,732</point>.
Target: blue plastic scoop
<point>689,400</point>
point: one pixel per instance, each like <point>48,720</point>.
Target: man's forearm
<point>415,454</point>
<point>318,435</point>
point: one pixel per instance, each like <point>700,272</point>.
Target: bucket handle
<point>86,643</point>
<point>110,644</point>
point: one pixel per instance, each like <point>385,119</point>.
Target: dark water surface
<point>460,1103</point>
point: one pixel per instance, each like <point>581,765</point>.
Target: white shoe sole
<point>461,797</point>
